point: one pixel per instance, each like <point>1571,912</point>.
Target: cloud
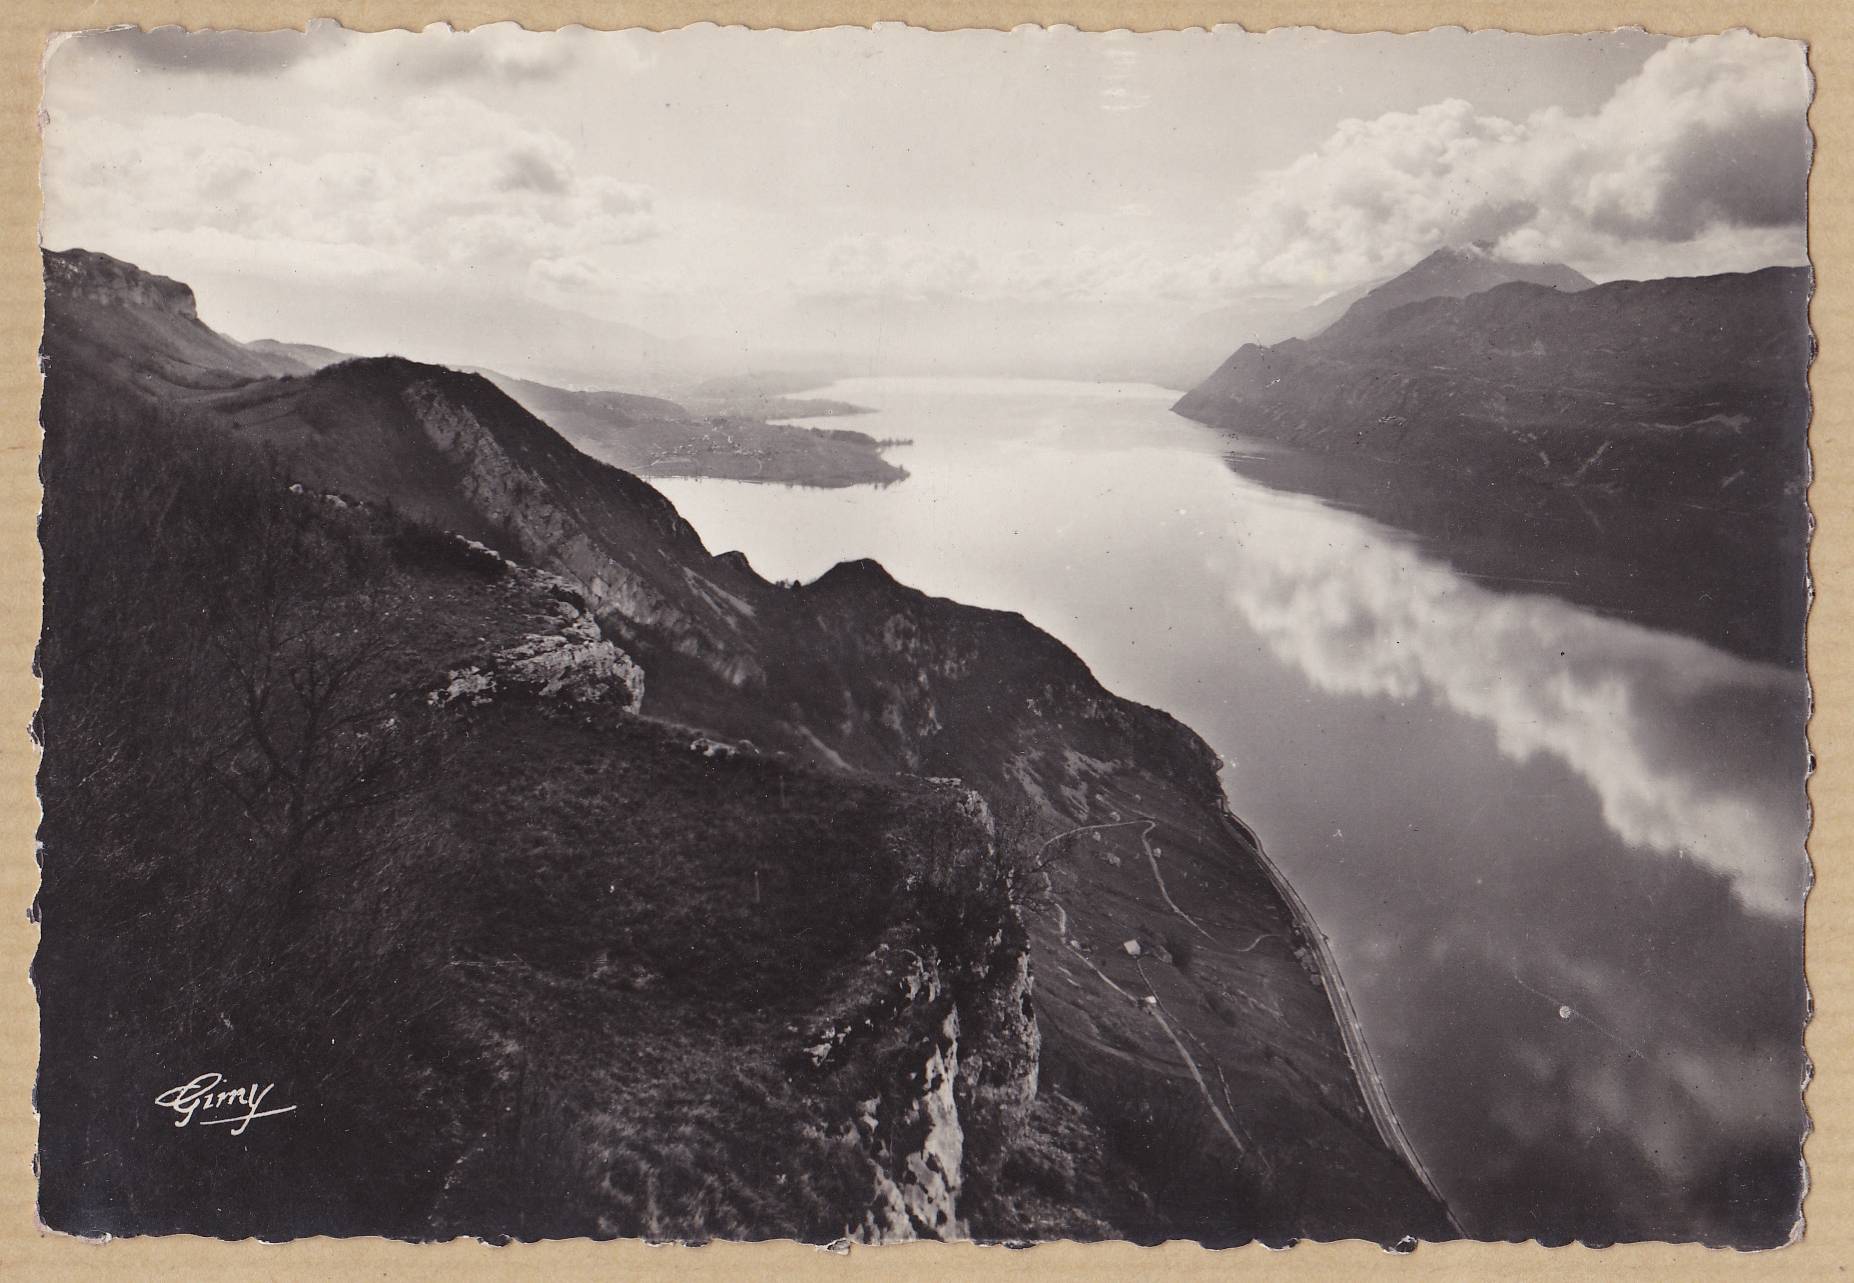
<point>501,53</point>
<point>427,149</point>
<point>1698,163</point>
<point>530,169</point>
<point>456,187</point>
<point>1706,147</point>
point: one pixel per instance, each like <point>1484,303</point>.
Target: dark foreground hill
<point>569,879</point>
<point>1639,446</point>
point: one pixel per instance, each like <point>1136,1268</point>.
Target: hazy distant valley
<point>721,428</point>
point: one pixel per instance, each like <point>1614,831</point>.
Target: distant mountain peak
<point>1456,271</point>
<point>1485,255</point>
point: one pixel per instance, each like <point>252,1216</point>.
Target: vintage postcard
<point>870,634</point>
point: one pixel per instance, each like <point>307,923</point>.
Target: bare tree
<point>313,735</point>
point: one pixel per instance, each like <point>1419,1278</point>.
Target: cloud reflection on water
<point>1689,750</point>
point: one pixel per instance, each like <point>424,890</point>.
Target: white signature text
<point>203,1096</point>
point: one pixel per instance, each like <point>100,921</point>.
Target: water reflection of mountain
<point>1638,447</point>
<point>1727,575</point>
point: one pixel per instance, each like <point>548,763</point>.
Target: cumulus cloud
<point>531,169</point>
<point>456,187</point>
<point>1707,146</point>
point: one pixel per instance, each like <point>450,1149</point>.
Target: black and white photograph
<point>877,634</point>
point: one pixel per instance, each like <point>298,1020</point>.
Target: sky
<point>590,205</point>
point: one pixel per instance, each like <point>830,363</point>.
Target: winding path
<point>1157,1009</point>
<point>1351,1032</point>
<point>1090,828</point>
<point>1152,858</point>
<point>1150,1004</point>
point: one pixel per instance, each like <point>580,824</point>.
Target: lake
<point>1559,855</point>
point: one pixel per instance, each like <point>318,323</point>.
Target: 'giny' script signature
<point>202,1096</point>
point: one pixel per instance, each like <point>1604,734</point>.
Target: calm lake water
<point>1559,856</point>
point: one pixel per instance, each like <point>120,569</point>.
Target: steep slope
<point>1189,1018</point>
<point>1450,272</point>
<point>1648,435</point>
<point>1521,368</point>
<point>1453,272</point>
<point>1211,335</point>
<point>722,437</point>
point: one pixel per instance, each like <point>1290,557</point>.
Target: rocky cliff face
<point>538,517</point>
<point>142,328</point>
<point>110,282</point>
<point>940,1047</point>
<point>948,1063</point>
<point>574,662</point>
<point>947,1089</point>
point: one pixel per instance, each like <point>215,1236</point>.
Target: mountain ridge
<point>1451,271</point>
<point>1454,272</point>
<point>1680,406</point>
